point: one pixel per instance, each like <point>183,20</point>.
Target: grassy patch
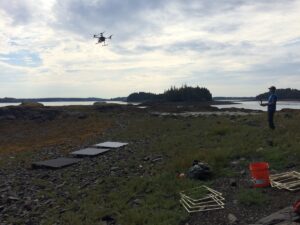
<point>22,138</point>
<point>251,197</point>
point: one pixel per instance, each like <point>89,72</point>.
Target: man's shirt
<point>272,99</point>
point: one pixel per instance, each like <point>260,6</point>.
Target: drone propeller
<point>96,35</point>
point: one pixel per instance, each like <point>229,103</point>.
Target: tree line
<point>17,100</point>
<point>283,94</point>
<point>174,94</point>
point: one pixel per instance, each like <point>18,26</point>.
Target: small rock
<point>60,185</point>
<point>181,175</point>
<point>109,220</point>
<point>259,149</point>
<point>289,223</point>
<point>235,163</point>
<point>82,116</point>
<point>148,190</point>
<point>98,181</point>
<point>48,202</point>
<point>137,202</point>
<point>232,182</point>
<point>291,165</point>
<point>270,143</point>
<point>112,173</point>
<point>28,205</point>
<point>13,198</point>
<point>10,117</point>
<point>114,168</point>
<point>4,189</point>
<point>62,211</point>
<point>232,219</point>
<point>156,159</point>
<point>147,158</point>
<point>85,185</point>
<point>232,117</point>
<point>45,176</point>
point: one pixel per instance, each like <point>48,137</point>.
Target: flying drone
<point>101,38</point>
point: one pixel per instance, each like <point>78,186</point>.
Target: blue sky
<point>232,47</point>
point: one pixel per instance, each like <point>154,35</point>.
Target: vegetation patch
<point>252,197</point>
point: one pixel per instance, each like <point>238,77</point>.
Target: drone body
<point>101,38</point>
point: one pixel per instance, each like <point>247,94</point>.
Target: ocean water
<point>254,105</point>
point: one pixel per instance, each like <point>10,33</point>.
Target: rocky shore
<point>138,179</point>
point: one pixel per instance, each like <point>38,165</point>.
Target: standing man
<point>271,106</point>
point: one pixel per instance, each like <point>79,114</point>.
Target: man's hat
<point>272,88</point>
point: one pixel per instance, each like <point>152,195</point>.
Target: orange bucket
<point>260,174</point>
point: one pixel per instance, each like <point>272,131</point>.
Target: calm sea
<point>255,105</point>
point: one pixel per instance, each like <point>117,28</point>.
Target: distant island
<point>282,94</point>
<point>173,94</point>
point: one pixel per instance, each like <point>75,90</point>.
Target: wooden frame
<point>288,180</point>
<point>212,200</point>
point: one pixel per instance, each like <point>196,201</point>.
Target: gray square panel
<point>90,151</point>
<point>110,144</point>
<point>56,163</point>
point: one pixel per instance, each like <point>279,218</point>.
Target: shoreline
<point>177,106</point>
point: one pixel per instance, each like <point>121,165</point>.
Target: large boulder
<point>282,217</point>
<point>29,112</point>
<point>103,106</point>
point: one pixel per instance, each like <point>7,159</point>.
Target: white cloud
<point>228,46</point>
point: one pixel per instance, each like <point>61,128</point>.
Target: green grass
<point>252,197</point>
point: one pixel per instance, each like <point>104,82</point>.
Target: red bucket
<point>260,174</point>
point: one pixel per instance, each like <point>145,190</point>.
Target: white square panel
<point>56,163</point>
<point>110,144</point>
<point>90,151</point>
